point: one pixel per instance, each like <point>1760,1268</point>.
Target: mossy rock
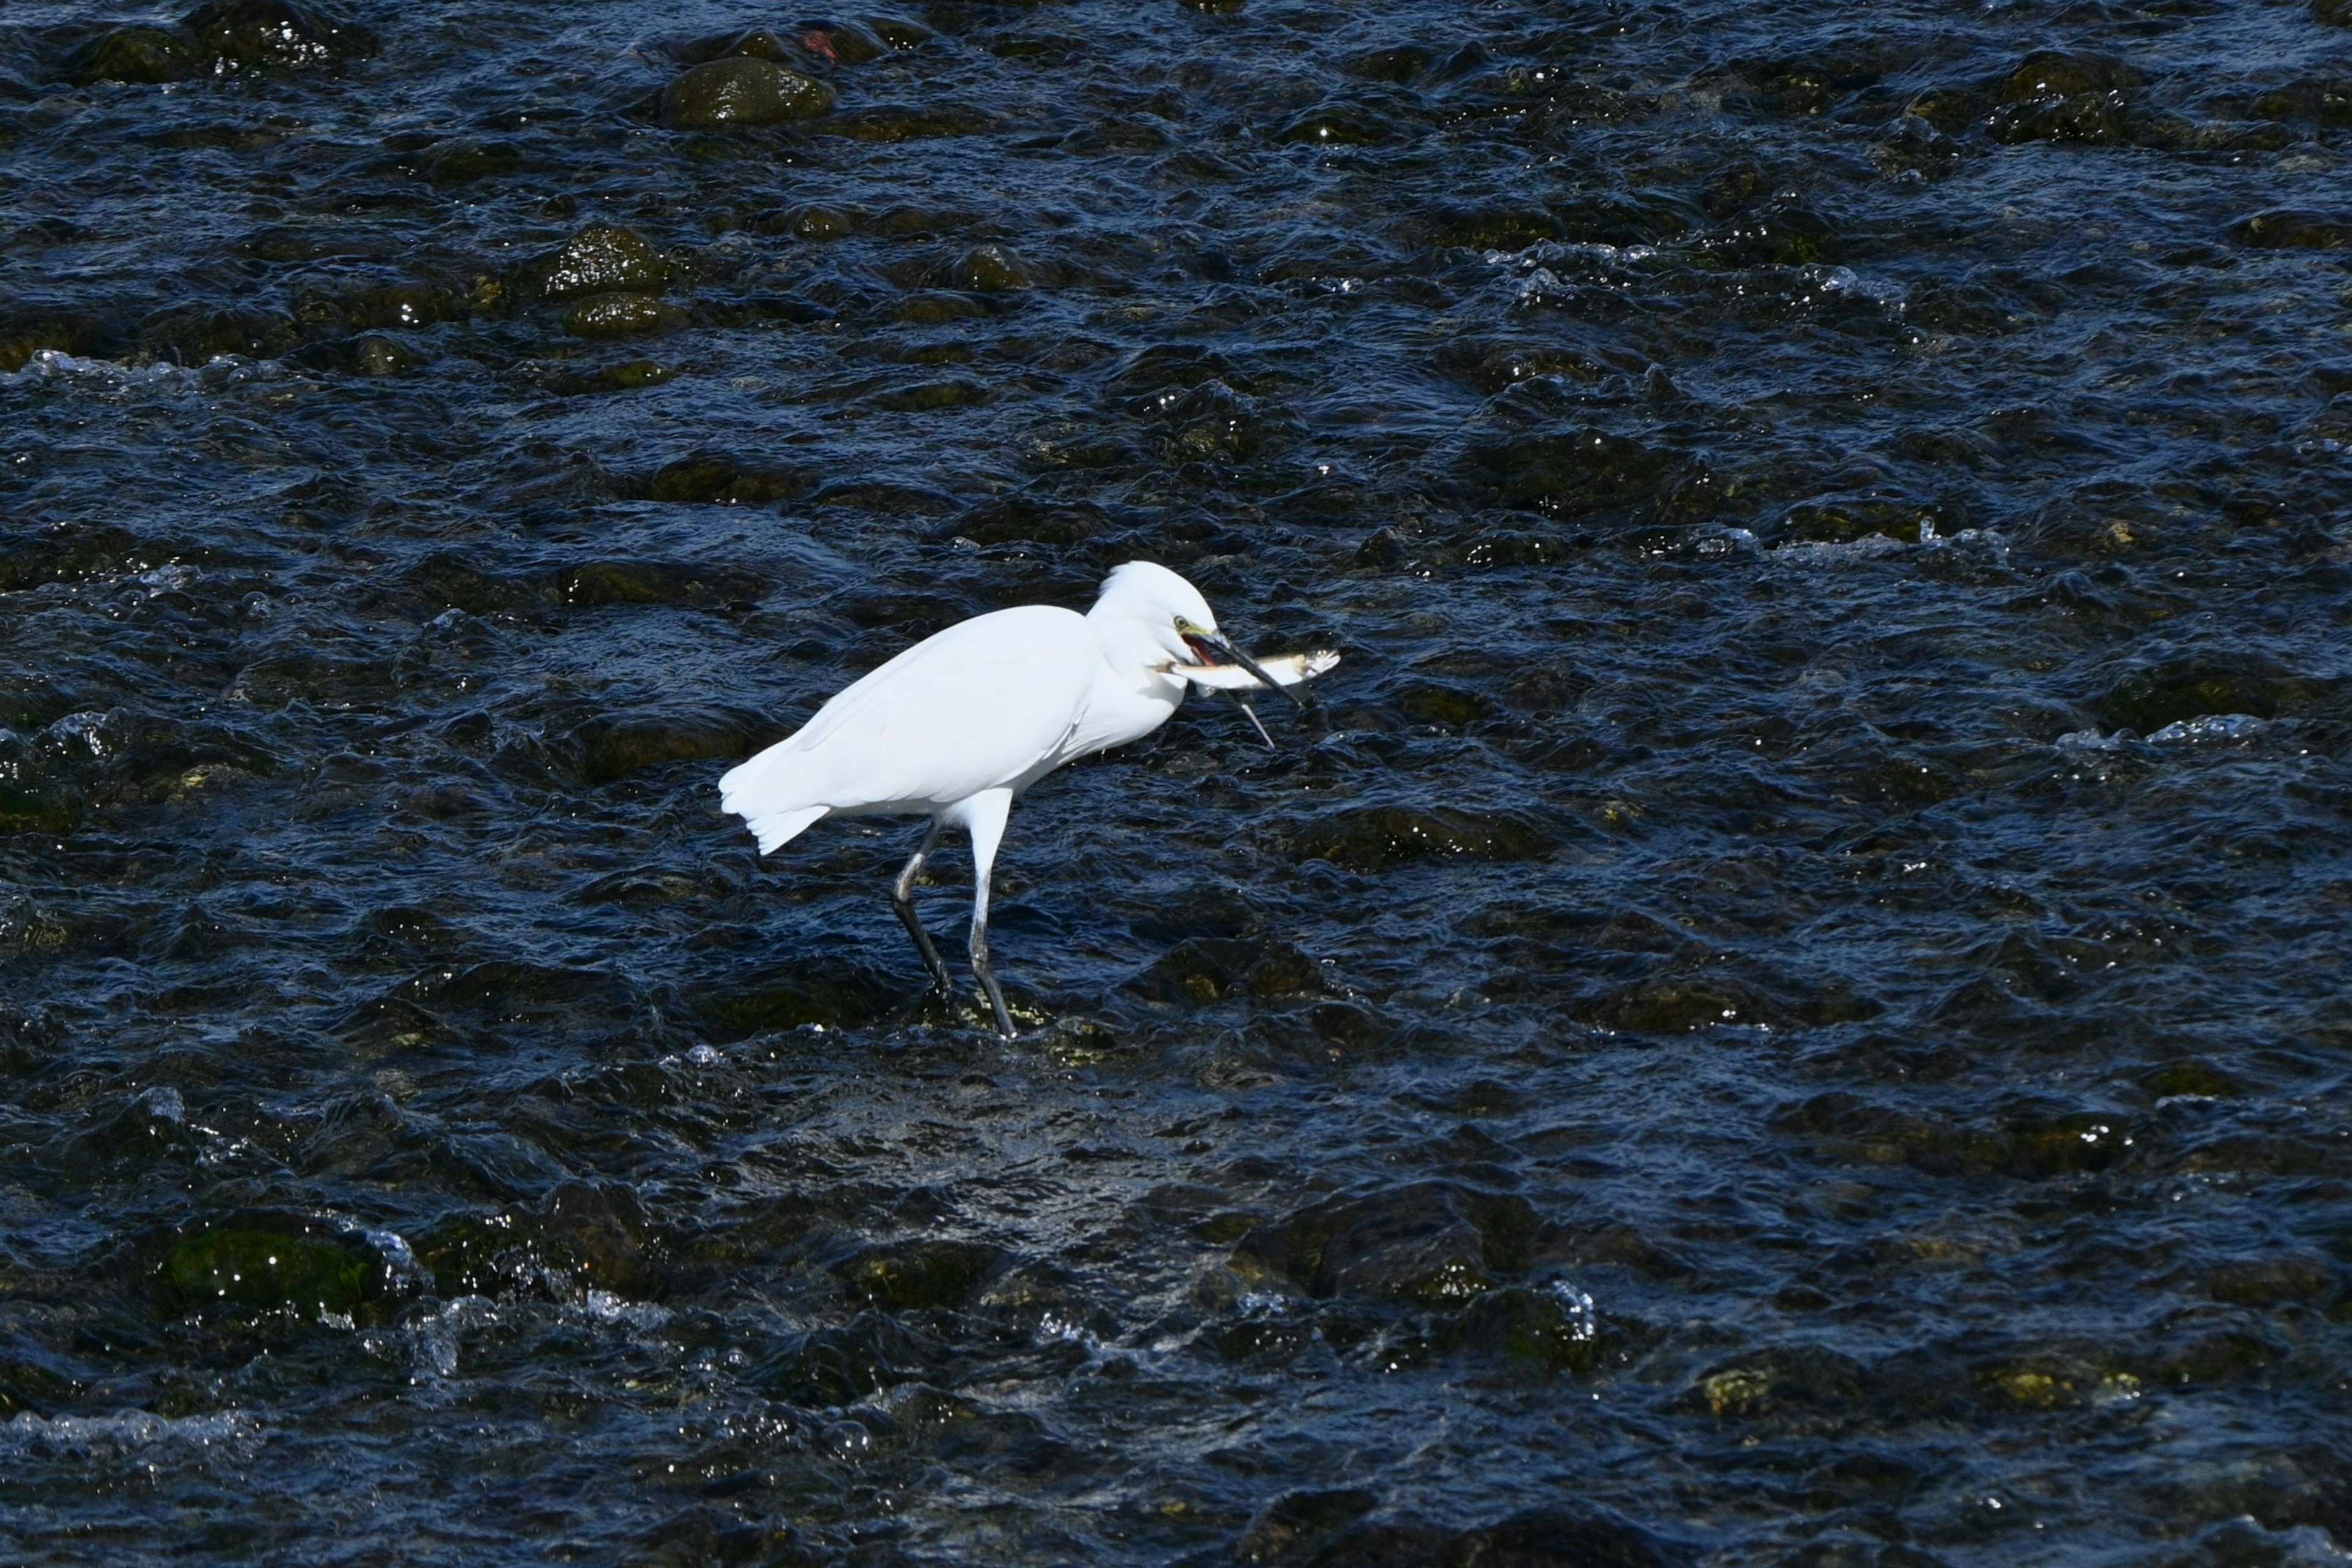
<point>1430,1242</point>
<point>599,259</point>
<point>917,1275</point>
<point>2283,229</point>
<point>1372,838</point>
<point>248,1271</point>
<point>838,999</point>
<point>621,316</point>
<point>613,750</point>
<point>742,89</point>
<point>655,583</point>
<point>2149,699</point>
<point>991,268</point>
<point>273,34</point>
<point>718,478</point>
<point>140,55</point>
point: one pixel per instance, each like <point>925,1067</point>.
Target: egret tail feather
<point>777,828</point>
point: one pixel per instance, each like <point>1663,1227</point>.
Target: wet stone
<point>264,1264</point>
<point>2148,700</point>
<point>2286,229</point>
<point>919,1275</point>
<point>621,316</point>
<point>1287,1529</point>
<point>139,55</point>
<point>1372,838</point>
<point>602,258</point>
<point>274,34</point>
<point>741,91</point>
<point>1430,1242</point>
<point>989,269</point>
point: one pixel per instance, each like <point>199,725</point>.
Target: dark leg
<point>902,898</point>
<point>984,816</point>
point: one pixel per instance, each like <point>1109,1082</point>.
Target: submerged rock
<point>273,34</point>
<point>622,315</point>
<point>989,269</point>
<point>138,54</point>
<point>262,1263</point>
<point>899,1276</point>
<point>2282,228</point>
<point>602,258</point>
<point>742,89</point>
<point>228,37</point>
<point>1430,1242</point>
<point>1371,838</point>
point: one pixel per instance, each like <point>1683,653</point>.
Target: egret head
<point>1160,604</point>
<point>1171,613</point>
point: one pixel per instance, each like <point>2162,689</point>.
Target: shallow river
<point>1787,1007</point>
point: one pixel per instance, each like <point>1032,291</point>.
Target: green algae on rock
<point>742,89</point>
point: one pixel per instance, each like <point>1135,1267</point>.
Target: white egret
<point>956,727</point>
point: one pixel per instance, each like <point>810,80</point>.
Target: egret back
<point>986,704</point>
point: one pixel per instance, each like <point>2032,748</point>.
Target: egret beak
<point>1207,643</point>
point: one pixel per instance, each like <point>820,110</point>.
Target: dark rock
<point>907,123</point>
<point>273,34</point>
<point>741,91</point>
<point>2149,699</point>
<point>1207,969</point>
<point>1577,474</point>
<point>1399,64</point>
<point>2047,76</point>
<point>612,749</point>
<point>2327,103</point>
<point>2332,13</point>
<point>989,269</point>
<point>934,306</point>
<point>928,1274</point>
<point>375,354</point>
<point>840,1366</point>
<point>1551,1329</point>
<point>621,315</point>
<point>2274,1279</point>
<point>842,43</point>
<point>2194,1076</point>
<point>1546,1538</point>
<point>655,583</point>
<point>1675,1005</point>
<point>1373,837</point>
<point>1430,1242</point>
<point>259,1263</point>
<point>198,335</point>
<point>136,54</point>
<point>463,161</point>
<point>2282,229</point>
<point>929,396</point>
<point>717,477</point>
<point>28,330</point>
<point>836,998</point>
<point>1780,1380</point>
<point>599,1232</point>
<point>1285,1529</point>
<point>599,259</point>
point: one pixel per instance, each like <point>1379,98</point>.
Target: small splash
<point>2210,727</point>
<point>607,1307</point>
<point>36,1436</point>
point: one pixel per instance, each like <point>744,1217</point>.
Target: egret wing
<point>979,706</point>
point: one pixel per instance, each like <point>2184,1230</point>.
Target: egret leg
<point>902,898</point>
<point>983,817</point>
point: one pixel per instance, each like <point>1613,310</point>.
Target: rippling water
<point>1790,1007</point>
